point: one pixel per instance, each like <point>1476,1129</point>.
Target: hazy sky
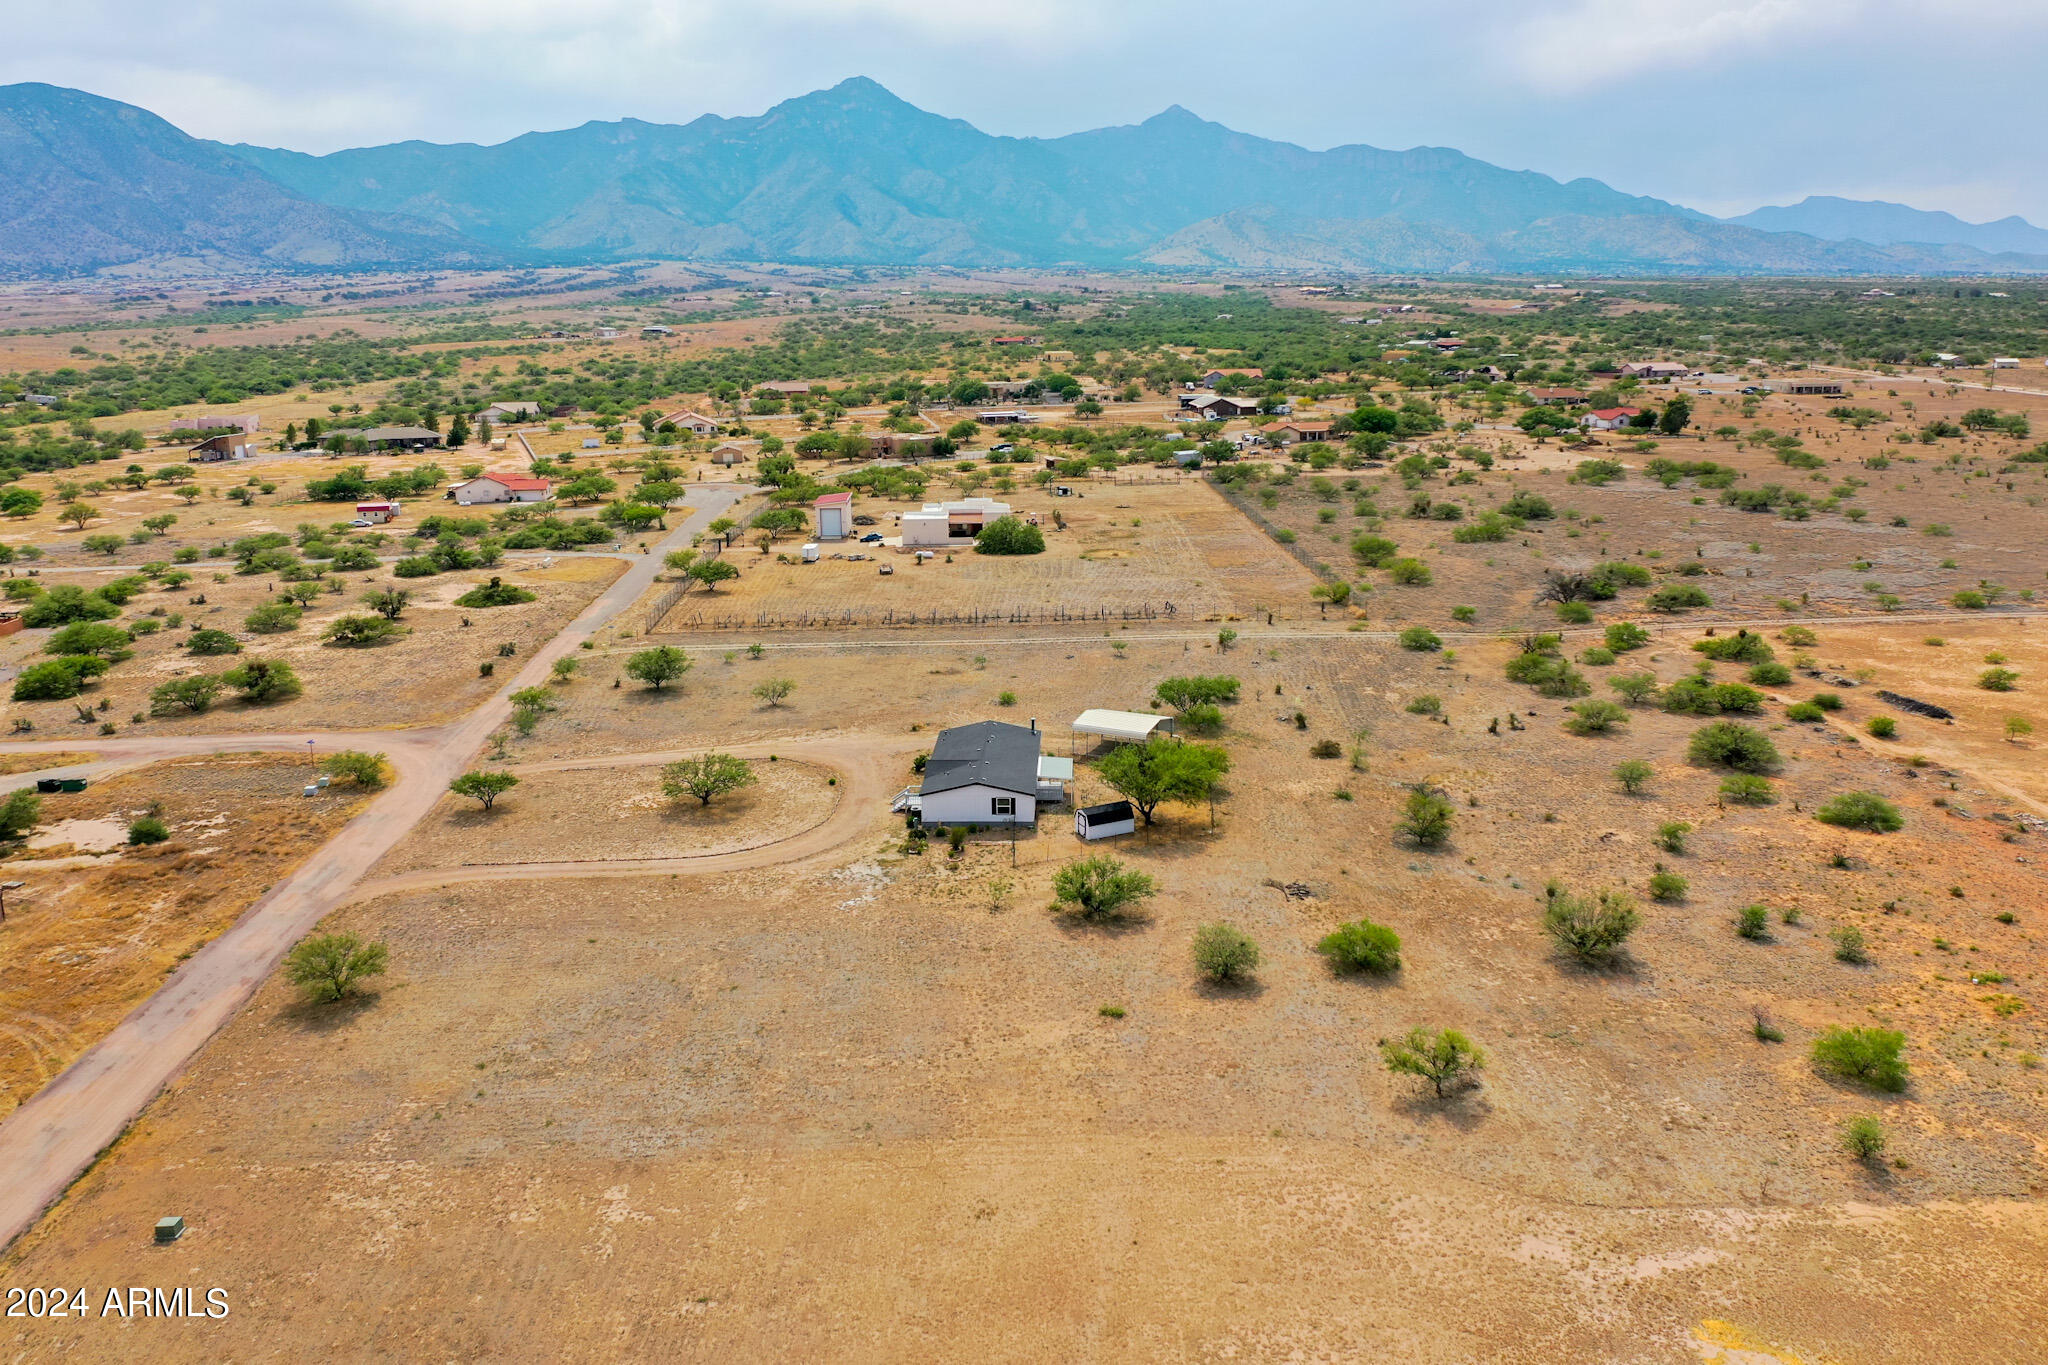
<point>1720,104</point>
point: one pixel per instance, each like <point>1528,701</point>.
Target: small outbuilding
<point>835,515</point>
<point>401,438</point>
<point>1106,821</point>
<point>232,445</point>
<point>1125,727</point>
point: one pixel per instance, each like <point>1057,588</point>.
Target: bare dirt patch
<point>597,813</point>
<point>88,938</point>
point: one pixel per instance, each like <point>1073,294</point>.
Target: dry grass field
<point>1126,549</point>
<point>851,1108</point>
<point>99,925</point>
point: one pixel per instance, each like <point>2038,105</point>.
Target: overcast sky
<point>1719,104</point>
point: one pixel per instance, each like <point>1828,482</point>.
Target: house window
<point>1002,805</point>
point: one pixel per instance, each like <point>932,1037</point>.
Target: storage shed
<point>1104,822</point>
<point>835,515</point>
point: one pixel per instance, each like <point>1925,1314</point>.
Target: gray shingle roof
<point>988,753</point>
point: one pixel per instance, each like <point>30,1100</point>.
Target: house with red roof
<point>1609,419</point>
<point>501,488</point>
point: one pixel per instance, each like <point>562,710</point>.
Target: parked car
<point>872,538</point>
<point>1003,449</point>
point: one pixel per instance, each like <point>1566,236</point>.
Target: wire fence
<point>877,617</point>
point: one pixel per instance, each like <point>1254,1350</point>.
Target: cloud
<point>1578,44</point>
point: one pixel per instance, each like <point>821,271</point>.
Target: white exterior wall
<point>925,529</point>
<point>970,806</point>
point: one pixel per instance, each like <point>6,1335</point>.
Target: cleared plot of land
<point>760,1113</point>
<point>1127,548</point>
<point>589,813</point>
<point>90,936</point>
<point>428,675</point>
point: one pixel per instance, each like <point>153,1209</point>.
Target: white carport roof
<point>1052,769</point>
<point>1133,726</point>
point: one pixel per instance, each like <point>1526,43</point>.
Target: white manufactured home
<point>982,774</point>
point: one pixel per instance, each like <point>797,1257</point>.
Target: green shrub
<point>1668,886</point>
<point>1770,675</point>
<point>1633,774</point>
<point>1428,704</point>
<point>65,603</point>
<point>1869,1055</point>
<point>1753,922</point>
<point>187,696</point>
<point>1326,748</point>
<point>1421,639</point>
<point>1849,947</point>
<point>210,641</point>
<point>1224,953</point>
<point>1008,535</point>
<point>1671,835</point>
<point>496,593</point>
<point>1410,572</point>
<point>1596,656</point>
<point>1747,789</point>
<point>331,966</point>
<point>1863,1137</point>
<point>1374,552</point>
<point>1998,680</point>
<point>1861,810</point>
<point>1362,947</point>
<point>147,829</point>
<point>57,679</point>
<point>1827,701</point>
<point>1882,727</point>
<point>1727,744</point>
<point>1574,613</point>
<point>273,618</point>
<point>1676,597</point>
<point>1100,887</point>
<point>1427,819</point>
<point>356,768</point>
<point>1590,928</point>
<point>1596,717</point>
<point>1741,647</point>
<point>1624,636</point>
<point>1445,1059</point>
<point>1804,713</point>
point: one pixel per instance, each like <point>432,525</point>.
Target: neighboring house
<point>1220,405</point>
<point>607,333</point>
<point>1288,433</point>
<point>981,774</point>
<point>2004,362</point>
<point>1608,419</point>
<point>400,438</point>
<point>1556,398</point>
<point>217,421</point>
<point>1013,341</point>
<point>1655,370</point>
<point>914,445</point>
<point>1187,459</point>
<point>657,331</point>
<point>1821,387</point>
<point>726,456</point>
<point>500,413</point>
<point>1215,377</point>
<point>41,400</point>
<point>501,488</point>
<point>233,445</point>
<point>1002,417</point>
<point>785,387</point>
<point>835,515</point>
<point>1942,360</point>
<point>696,423</point>
<point>1447,343</point>
<point>949,523</point>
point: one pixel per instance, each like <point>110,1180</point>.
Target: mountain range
<point>854,175</point>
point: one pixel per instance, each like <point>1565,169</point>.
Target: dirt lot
<point>90,936</point>
<point>861,1115</point>
<point>1126,548</point>
<point>421,678</point>
<point>587,813</point>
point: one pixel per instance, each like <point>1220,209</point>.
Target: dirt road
<point>49,1140</point>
